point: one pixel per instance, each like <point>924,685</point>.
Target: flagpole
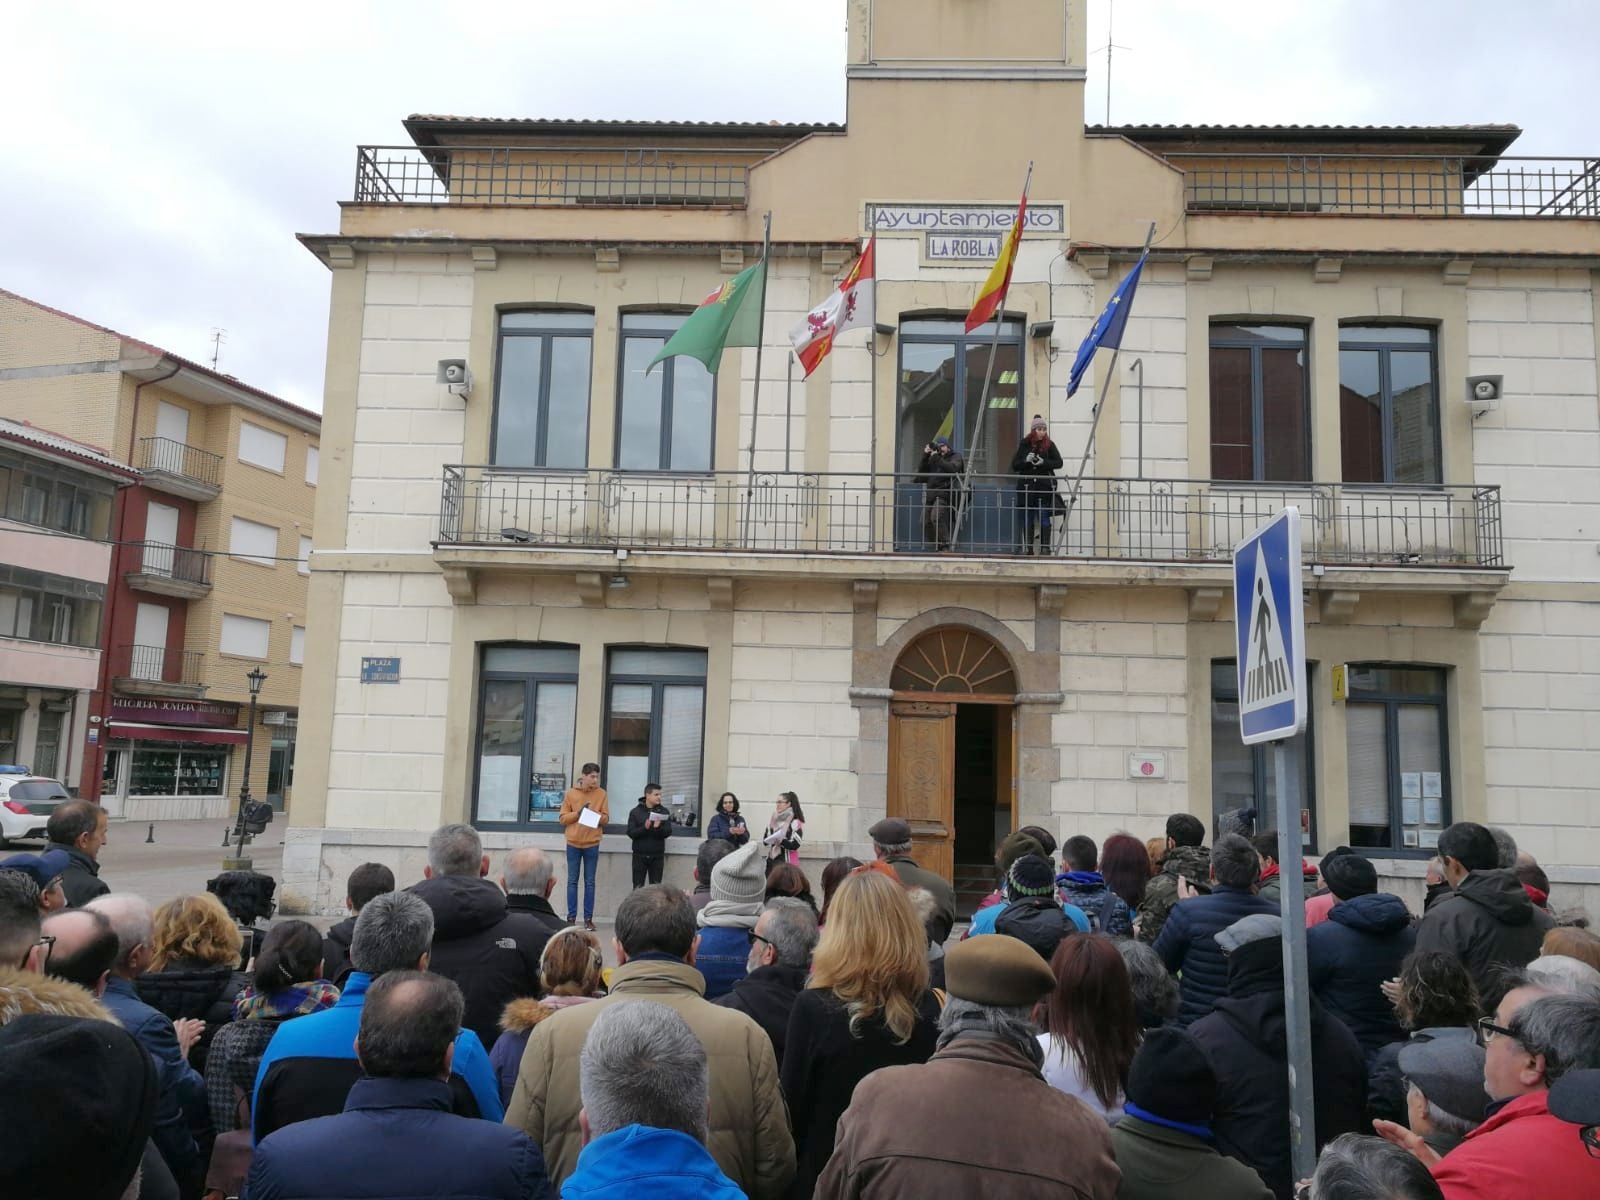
<point>1099,407</point>
<point>872,402</point>
<point>963,498</point>
<point>755,395</point>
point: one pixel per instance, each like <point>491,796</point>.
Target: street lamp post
<point>239,862</point>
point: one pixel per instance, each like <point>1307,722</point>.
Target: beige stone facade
<point>1450,551</point>
<point>210,560</point>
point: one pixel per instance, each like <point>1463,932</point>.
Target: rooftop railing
<point>1391,184</point>
<point>597,176</point>
<point>1129,520</point>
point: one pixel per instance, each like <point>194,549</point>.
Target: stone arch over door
<point>1037,696</point>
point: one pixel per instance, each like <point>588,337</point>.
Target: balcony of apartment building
<point>180,469</point>
<point>168,570</point>
<point>169,672</point>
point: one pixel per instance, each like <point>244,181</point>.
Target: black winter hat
<point>1031,875</point>
<point>1348,875</point>
<point>1171,1077</point>
<point>85,1093</point>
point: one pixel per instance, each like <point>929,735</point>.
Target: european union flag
<point>1108,329</point>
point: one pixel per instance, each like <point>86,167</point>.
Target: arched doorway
<point>952,753</point>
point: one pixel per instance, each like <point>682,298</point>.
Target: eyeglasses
<point>756,937</point>
<point>1590,1135</point>
<point>48,941</point>
<point>1488,1030</point>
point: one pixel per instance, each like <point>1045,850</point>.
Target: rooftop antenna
<point>218,336</point>
<point>1111,45</point>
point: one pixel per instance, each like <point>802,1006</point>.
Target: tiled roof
<point>26,431</point>
<point>422,126</point>
<point>185,363</point>
<point>1494,137</point>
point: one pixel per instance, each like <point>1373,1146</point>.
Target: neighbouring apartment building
<point>209,559</point>
<point>560,556</point>
<point>57,498</point>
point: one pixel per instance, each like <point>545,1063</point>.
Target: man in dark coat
<point>775,973</point>
<point>940,473</point>
<point>79,828</point>
<point>1185,857</point>
<point>1487,921</point>
<point>528,878</point>
<point>1035,463</point>
<point>891,842</point>
<point>366,881</point>
<point>1359,947</point>
<point>1246,1039</point>
<point>1015,1136</point>
<point>1188,942</point>
<point>649,827</point>
<point>387,1140</point>
<point>491,953</point>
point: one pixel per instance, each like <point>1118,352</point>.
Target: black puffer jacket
<point>490,952</point>
<point>336,951</point>
<point>81,879</point>
<point>941,472</point>
<point>1246,1039</point>
<point>1488,923</point>
<point>1188,944</point>
<point>1037,464</point>
<point>648,839</point>
<point>196,991</point>
<point>1361,944</point>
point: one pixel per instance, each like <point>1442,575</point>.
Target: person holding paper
<point>585,813</point>
<point>649,826</point>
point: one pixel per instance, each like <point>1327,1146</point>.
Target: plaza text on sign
<point>380,670</point>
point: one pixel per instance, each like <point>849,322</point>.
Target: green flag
<point>730,316</point>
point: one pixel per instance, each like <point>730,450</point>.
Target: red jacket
<point>1518,1145</point>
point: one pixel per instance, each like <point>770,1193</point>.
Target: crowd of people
<point>1111,1024</point>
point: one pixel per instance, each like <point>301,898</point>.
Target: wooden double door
<point>953,761</point>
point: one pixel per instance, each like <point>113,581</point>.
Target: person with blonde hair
<point>868,1005</point>
<point>569,973</point>
<point>1572,943</point>
<point>194,967</point>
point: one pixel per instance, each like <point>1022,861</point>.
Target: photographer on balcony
<point>1036,462</point>
<point>940,473</point>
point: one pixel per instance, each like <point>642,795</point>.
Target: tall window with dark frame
<point>1389,404</point>
<point>665,417</point>
<point>527,718</point>
<point>655,726</point>
<point>541,391</point>
<point>941,382</point>
<point>1398,758</point>
<point>1260,403</point>
<point>1245,777</point>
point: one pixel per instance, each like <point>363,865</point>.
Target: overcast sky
<point>157,159</point>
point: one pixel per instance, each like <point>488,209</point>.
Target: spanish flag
<point>995,287</point>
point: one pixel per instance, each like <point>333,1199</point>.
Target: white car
<point>26,802</point>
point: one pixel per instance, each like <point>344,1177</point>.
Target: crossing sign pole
<point>1270,628</point>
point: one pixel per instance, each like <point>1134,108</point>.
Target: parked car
<point>26,802</point>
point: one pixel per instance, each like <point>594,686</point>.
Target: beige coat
<point>749,1124</point>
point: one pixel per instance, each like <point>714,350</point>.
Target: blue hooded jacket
<point>638,1160</point>
<point>1361,944</point>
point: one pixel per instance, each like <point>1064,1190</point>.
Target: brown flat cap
<point>891,831</point>
<point>997,970</point>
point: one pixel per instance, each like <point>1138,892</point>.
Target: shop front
<point>168,759</point>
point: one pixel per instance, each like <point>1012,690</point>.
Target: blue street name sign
<point>1270,628</point>
<point>380,670</point>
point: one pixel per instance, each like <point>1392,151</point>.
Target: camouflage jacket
<point>1194,864</point>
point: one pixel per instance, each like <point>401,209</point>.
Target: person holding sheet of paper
<point>585,813</point>
<point>649,826</point>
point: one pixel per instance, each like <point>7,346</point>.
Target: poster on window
<point>497,787</point>
<point>545,792</point>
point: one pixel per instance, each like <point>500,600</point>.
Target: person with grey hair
<point>490,950</point>
<point>180,1089</point>
<point>1505,848</point>
<point>1356,1167</point>
<point>1559,975</point>
<point>528,877</point>
<point>1188,941</point>
<point>897,1137</point>
<point>775,973</point>
<point>891,843</point>
<point>397,1117</point>
<point>310,1065</point>
<point>1155,991</point>
<point>646,1089</point>
<point>1532,1040</point>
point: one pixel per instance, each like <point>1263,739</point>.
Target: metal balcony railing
<point>179,458</point>
<point>182,563</point>
<point>1391,184</point>
<point>159,664</point>
<point>1131,520</point>
<point>597,176</point>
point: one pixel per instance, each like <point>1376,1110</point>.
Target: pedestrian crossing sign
<point>1269,622</point>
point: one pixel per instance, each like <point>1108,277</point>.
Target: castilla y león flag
<point>993,293</point>
<point>848,306</point>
